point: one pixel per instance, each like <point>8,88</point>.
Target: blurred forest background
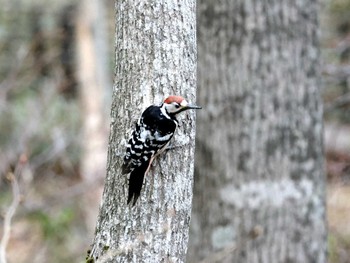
<point>56,76</point>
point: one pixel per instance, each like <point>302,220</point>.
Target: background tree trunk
<point>155,56</point>
<point>259,180</point>
<point>94,80</point>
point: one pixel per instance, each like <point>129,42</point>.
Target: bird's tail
<point>136,181</point>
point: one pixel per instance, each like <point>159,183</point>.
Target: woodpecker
<point>151,136</point>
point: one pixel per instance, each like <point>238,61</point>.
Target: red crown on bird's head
<point>174,98</point>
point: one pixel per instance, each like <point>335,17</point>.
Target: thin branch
<point>12,209</point>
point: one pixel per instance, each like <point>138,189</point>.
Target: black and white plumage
<point>152,134</point>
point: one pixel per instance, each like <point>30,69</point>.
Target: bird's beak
<point>194,107</point>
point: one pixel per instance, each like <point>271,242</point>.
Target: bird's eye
<point>177,105</point>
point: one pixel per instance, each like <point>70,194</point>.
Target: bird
<point>153,131</point>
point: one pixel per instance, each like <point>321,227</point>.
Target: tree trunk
<point>94,80</point>
<point>259,180</point>
<point>155,56</point>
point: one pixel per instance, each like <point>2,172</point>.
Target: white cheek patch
<point>184,103</point>
<point>162,109</point>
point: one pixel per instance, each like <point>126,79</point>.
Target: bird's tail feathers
<point>136,181</point>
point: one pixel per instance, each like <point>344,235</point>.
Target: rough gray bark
<point>155,57</point>
<point>259,180</point>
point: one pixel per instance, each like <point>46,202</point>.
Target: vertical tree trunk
<point>94,81</point>
<point>155,56</point>
<point>259,180</point>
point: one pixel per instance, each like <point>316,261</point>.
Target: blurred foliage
<point>40,117</point>
<point>58,229</point>
<point>335,41</point>
<point>54,227</point>
<point>38,122</point>
<point>37,117</point>
<point>338,248</point>
<point>340,12</point>
<point>335,48</point>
